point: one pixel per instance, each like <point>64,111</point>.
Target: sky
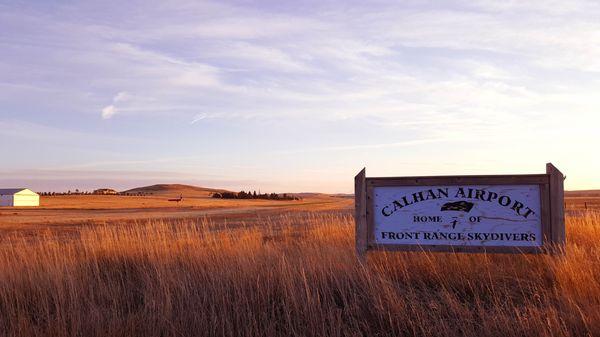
<point>295,96</point>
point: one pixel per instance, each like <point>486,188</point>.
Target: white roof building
<point>18,197</point>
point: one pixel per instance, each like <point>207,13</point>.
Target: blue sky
<point>295,96</point>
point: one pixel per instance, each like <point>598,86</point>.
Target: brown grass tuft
<point>295,276</point>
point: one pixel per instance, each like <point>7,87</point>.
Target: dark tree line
<point>254,195</point>
<point>77,192</point>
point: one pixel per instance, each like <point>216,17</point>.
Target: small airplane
<point>178,199</point>
<point>463,206</point>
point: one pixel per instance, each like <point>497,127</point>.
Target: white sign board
<point>463,215</point>
<point>519,213</point>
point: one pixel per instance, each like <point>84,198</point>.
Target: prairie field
<point>286,274</point>
<point>68,212</point>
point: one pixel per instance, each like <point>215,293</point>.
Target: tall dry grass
<point>295,276</point>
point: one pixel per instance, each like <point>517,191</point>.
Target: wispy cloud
<point>198,118</point>
<point>121,97</point>
<point>110,110</point>
<point>327,64</point>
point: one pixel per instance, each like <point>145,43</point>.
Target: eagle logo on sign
<point>462,206</point>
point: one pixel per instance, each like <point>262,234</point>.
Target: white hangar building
<point>18,197</point>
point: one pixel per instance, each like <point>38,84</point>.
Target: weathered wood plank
<point>370,217</point>
<point>360,216</point>
<point>460,180</point>
<point>545,209</point>
<point>459,249</point>
<point>557,211</point>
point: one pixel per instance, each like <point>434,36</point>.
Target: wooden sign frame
<point>552,210</point>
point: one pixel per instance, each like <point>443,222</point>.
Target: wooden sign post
<point>491,213</point>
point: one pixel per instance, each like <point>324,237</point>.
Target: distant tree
<point>228,195</point>
<point>253,195</point>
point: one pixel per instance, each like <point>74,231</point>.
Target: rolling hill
<point>175,190</point>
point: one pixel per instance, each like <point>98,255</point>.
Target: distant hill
<point>583,193</point>
<point>174,190</point>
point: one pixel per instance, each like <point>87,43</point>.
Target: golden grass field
<point>287,270</point>
<point>72,211</point>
